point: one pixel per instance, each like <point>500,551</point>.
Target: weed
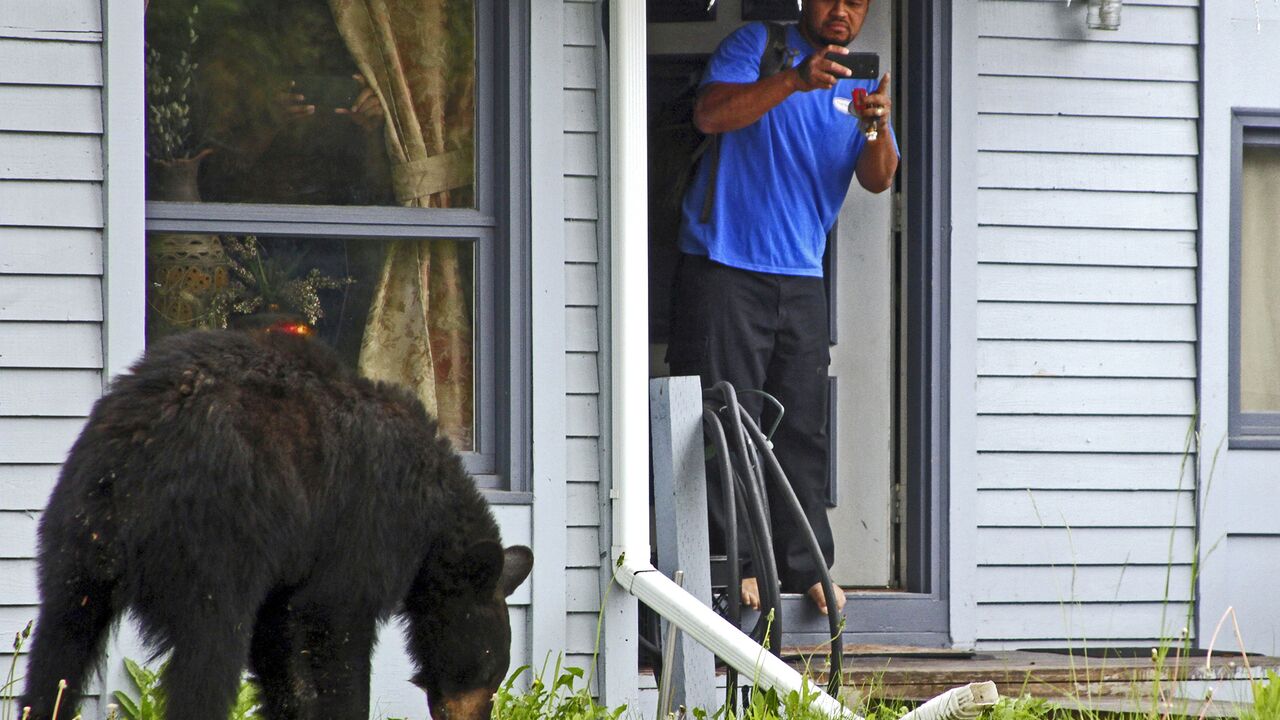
<point>149,704</point>
<point>561,699</point>
<point>1029,708</point>
<point>8,688</point>
<point>1266,699</point>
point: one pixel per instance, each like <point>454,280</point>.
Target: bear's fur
<point>251,500</point>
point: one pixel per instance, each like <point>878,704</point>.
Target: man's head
<point>832,22</point>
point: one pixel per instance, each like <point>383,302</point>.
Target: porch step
<point>1114,680</point>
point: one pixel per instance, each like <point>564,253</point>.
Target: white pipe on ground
<point>757,665</point>
<point>962,703</point>
<point>629,326</point>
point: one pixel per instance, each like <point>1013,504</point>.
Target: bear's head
<point>462,642</point>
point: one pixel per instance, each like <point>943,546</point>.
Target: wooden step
<point>1105,683</point>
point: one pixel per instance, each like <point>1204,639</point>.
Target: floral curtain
<point>418,56</point>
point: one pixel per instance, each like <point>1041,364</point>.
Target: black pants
<point>763,331</point>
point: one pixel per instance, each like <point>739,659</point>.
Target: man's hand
<point>819,73</point>
<point>876,106</point>
<point>879,161</point>
<point>292,104</point>
<point>366,111</point>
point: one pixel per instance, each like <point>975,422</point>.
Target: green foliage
<point>1030,708</point>
<point>149,704</point>
<point>150,700</point>
<point>795,705</point>
<point>1266,699</point>
<point>559,699</point>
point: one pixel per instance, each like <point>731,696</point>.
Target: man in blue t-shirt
<point>750,304</point>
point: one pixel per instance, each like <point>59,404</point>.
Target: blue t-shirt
<point>783,178</point>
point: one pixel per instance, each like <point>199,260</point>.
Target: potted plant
<point>172,145</point>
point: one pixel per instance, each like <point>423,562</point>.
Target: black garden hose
<point>743,499</point>
<point>754,460</point>
<point>788,495</point>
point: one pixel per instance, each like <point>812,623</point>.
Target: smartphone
<point>327,91</point>
<point>864,65</point>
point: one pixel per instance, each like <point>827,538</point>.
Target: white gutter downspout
<point>629,324</point>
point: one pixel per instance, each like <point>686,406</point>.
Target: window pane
<point>1260,281</point>
<point>396,310</point>
<point>312,101</point>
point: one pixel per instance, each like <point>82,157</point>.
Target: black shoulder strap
<point>777,56</point>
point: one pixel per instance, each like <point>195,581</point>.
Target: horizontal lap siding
<point>51,251</point>
<point>582,196</point>
<point>1086,285</point>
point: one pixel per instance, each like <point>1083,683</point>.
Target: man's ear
<point>516,565</point>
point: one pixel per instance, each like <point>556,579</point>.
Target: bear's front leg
<point>338,647</point>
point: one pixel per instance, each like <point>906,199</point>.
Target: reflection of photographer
<point>349,96</point>
<point>750,304</point>
<point>288,115</point>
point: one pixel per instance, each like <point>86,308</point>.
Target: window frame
<point>497,228</point>
<point>1247,430</point>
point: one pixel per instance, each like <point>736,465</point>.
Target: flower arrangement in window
<point>262,283</point>
<point>212,286</point>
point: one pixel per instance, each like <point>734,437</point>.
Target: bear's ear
<point>482,565</point>
<point>517,562</point>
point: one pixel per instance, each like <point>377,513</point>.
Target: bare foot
<point>751,593</point>
<point>815,593</point>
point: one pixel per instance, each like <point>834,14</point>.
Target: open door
<point>865,302</point>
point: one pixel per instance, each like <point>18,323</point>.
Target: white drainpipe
<point>630,356</point>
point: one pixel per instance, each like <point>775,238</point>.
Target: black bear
<point>250,499</point>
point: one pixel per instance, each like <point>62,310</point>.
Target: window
<point>314,162</point>
<point>1255,291</point>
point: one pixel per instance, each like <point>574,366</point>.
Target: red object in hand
<point>859,97</point>
<point>859,100</point>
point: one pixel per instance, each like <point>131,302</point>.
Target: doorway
<point>887,300</point>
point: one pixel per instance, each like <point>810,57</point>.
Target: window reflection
<point>395,310</point>
<point>311,101</point>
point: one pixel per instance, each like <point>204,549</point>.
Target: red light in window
<point>292,328</point>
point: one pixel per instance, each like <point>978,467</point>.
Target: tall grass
<point>9,688</point>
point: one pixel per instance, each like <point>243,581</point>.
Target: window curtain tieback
<point>419,179</point>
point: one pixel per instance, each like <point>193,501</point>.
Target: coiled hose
<point>743,470</point>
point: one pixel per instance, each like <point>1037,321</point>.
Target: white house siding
<point>583,58</point>
<point>51,309</point>
<point>1240,526</point>
<point>1086,209</point>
